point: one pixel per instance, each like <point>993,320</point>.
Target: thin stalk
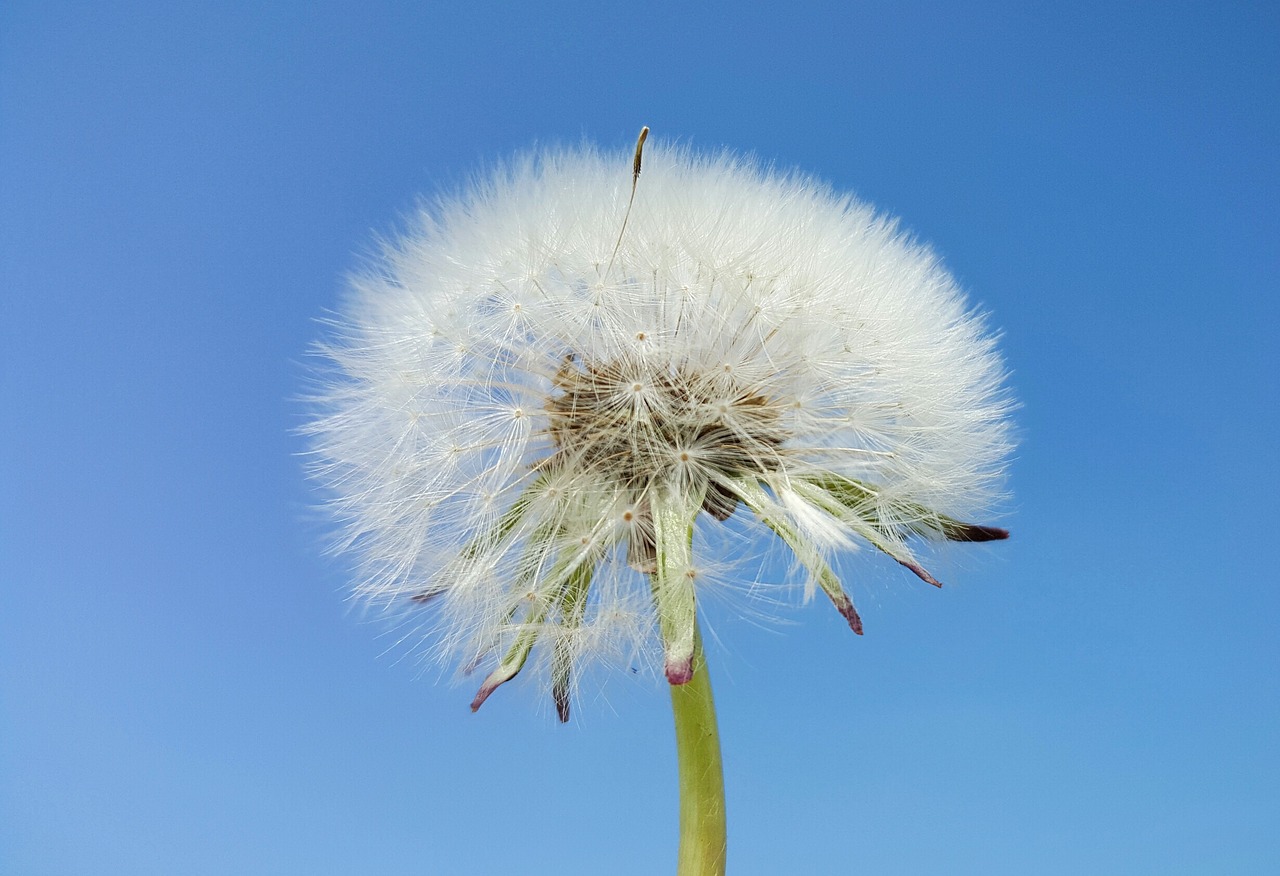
<point>702,820</point>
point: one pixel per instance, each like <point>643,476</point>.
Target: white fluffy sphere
<point>522,389</point>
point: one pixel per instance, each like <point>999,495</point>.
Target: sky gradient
<point>184,687</point>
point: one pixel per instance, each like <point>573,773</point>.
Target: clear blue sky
<point>184,688</point>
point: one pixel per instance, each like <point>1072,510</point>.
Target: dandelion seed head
<point>514,386</point>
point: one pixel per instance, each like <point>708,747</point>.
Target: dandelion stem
<point>702,819</point>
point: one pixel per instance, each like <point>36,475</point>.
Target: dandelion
<point>545,388</point>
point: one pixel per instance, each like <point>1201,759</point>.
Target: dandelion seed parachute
<point>526,411</point>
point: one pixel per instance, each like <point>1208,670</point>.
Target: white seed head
<point>516,388</point>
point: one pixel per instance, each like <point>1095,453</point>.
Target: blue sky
<point>184,687</point>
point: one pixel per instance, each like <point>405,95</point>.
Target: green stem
<point>702,820</point>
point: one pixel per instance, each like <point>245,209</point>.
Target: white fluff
<point>748,319</point>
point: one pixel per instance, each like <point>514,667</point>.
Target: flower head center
<point>637,425</point>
